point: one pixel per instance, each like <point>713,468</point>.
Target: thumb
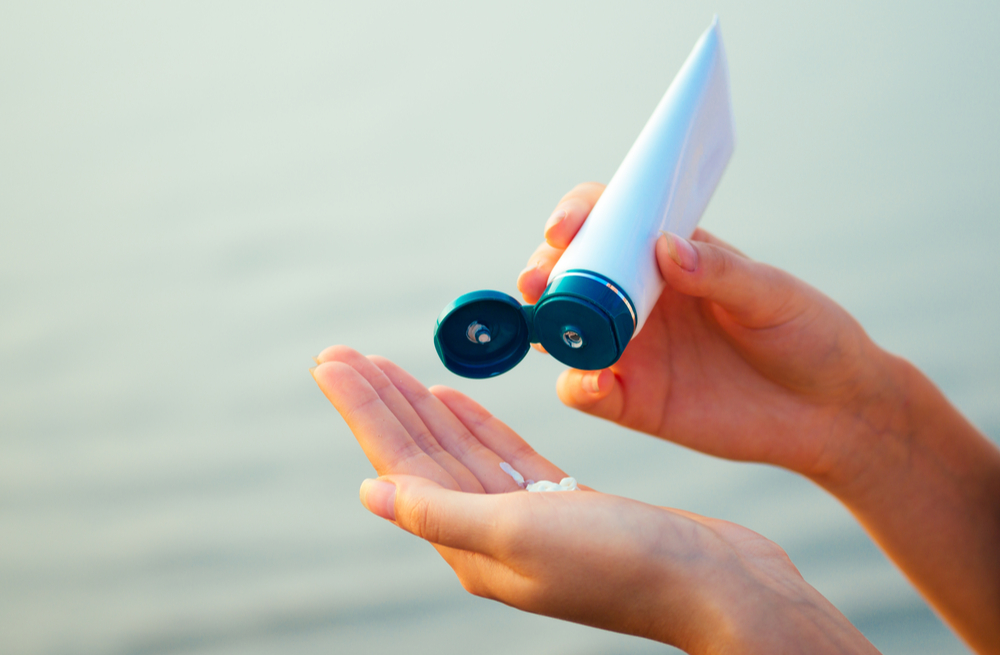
<point>754,295</point>
<point>455,519</point>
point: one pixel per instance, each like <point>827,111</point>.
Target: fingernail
<point>682,252</point>
<point>312,370</point>
<point>379,498</point>
<point>591,382</point>
<point>555,219</point>
<point>316,359</point>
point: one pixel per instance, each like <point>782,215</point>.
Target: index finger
<point>497,436</point>
<point>570,213</point>
<point>385,441</point>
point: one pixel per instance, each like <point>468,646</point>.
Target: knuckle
<point>722,263</point>
<point>419,519</point>
<point>524,452</point>
<point>466,443</point>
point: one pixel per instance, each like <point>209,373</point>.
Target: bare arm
<point>925,484</point>
<point>741,360</point>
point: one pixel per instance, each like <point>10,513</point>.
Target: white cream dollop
<point>566,484</point>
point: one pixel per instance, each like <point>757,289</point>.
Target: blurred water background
<point>195,198</point>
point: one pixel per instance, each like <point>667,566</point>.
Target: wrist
<point>798,619</point>
<point>872,432</point>
<point>766,607</point>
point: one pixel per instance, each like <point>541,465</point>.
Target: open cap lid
<point>482,334</point>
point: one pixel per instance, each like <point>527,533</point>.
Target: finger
<point>450,432</point>
<point>599,393</point>
<point>706,236</point>
<point>385,441</point>
<point>454,519</point>
<point>404,414</point>
<point>532,280</point>
<point>560,229</point>
<point>495,435</point>
<point>754,295</point>
<point>480,573</point>
<point>570,214</point>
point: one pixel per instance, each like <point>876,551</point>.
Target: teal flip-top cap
<point>584,320</point>
<point>482,334</point>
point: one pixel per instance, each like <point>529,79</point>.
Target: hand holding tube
<point>737,359</point>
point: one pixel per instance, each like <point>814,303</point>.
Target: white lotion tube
<point>605,285</point>
<point>664,183</point>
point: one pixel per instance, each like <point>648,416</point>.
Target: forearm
<point>925,484</point>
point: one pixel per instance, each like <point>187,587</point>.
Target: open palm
<point>588,557</point>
